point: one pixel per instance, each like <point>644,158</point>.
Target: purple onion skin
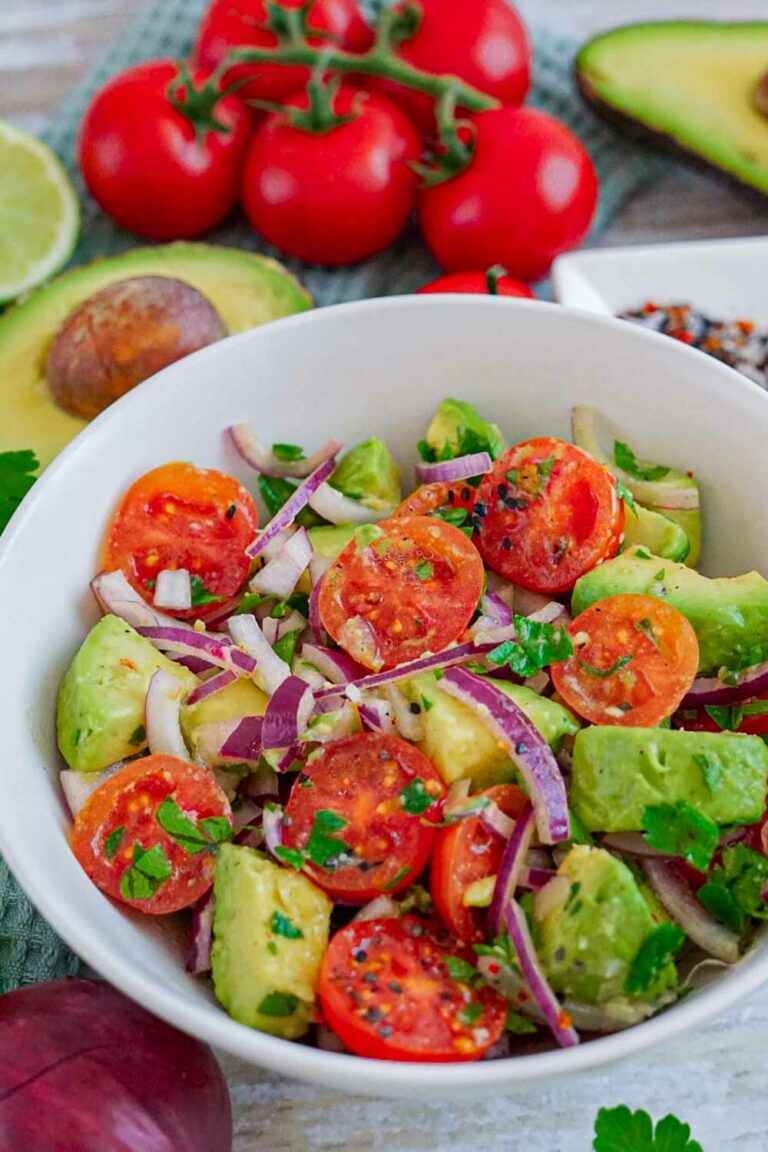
<point>83,1069</point>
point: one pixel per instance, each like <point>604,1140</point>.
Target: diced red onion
<point>264,461</point>
<point>173,589</point>
<point>214,648</point>
<point>535,878</point>
<point>289,757</point>
<point>261,783</point>
<point>376,716</point>
<point>286,515</point>
<point>280,576</point>
<point>337,508</point>
<point>495,609</point>
<point>194,664</point>
<point>310,675</point>
<point>277,543</point>
<point>557,1020</point>
<point>287,714</point>
<point>272,824</point>
<point>243,743</point>
<point>495,821</point>
<point>315,622</point>
<point>338,667</point>
<point>380,908</point>
<point>632,844</point>
<point>409,724</point>
<point>458,654</point>
<point>678,900</point>
<point>751,682</point>
<point>504,589</point>
<point>275,629</point>
<point>460,468</point>
<point>201,935</point>
<point>209,687</point>
<point>114,594</point>
<point>269,670</point>
<point>526,746</point>
<point>512,864</point>
<point>161,716</point>
<point>318,566</point>
<point>79,786</point>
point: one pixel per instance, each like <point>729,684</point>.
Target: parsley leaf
<point>735,890</point>
<point>283,926</point>
<point>113,842</point>
<point>396,879</point>
<point>646,627</point>
<point>629,463</point>
<point>679,830</point>
<point>653,956</point>
<point>217,828</point>
<point>324,850</point>
<point>200,594</point>
<point>149,870</point>
<point>624,494</point>
<point>180,828</point>
<point>619,1130</point>
<point>294,857</point>
<point>287,452</point>
<point>455,516</point>
<point>518,1024</point>
<point>543,472</point>
<point>462,970</point>
<point>603,673</point>
<point>711,771</point>
<point>424,570</point>
<point>275,491</point>
<point>138,736</point>
<point>537,646</point>
<point>470,1013</point>
<point>278,1004</point>
<point>16,479</point>
<point>729,718</point>
<point>415,799</point>
<point>285,647</point>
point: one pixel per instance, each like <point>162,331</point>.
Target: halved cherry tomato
<point>635,659</point>
<point>409,588</point>
<point>429,497</point>
<point>386,991</point>
<point>120,842</point>
<point>699,720</point>
<point>477,283</point>
<point>179,516</point>
<point>464,853</point>
<point>375,792</point>
<point>548,514</point>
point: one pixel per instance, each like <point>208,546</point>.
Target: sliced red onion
<point>535,878</point>
<point>275,629</point>
<point>286,515</point>
<point>79,786</point>
<point>337,508</point>
<point>526,746</point>
<point>678,900</point>
<point>750,682</point>
<point>380,908</point>
<point>287,714</point>
<point>558,1021</point>
<point>338,667</point>
<point>201,935</point>
<point>280,576</point>
<point>209,687</point>
<point>376,716</point>
<point>114,594</point>
<point>409,724</point>
<point>194,664</point>
<point>504,589</point>
<point>357,637</point>
<point>495,609</point>
<point>458,654</point>
<point>632,844</point>
<point>262,460</point>
<point>269,670</point>
<point>512,864</point>
<point>276,544</point>
<point>272,824</point>
<point>315,622</point>
<point>496,822</point>
<point>289,757</point>
<point>173,589</point>
<point>214,648</point>
<point>461,468</point>
<point>161,716</point>
<point>243,743</point>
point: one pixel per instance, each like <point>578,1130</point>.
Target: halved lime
<point>39,212</point>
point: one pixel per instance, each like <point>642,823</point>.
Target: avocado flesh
<point>252,960</point>
<point>688,85</point>
<point>618,771</point>
<point>246,290</point>
<point>656,533</point>
<point>461,746</point>
<point>100,706</point>
<point>329,539</point>
<point>369,473</point>
<point>452,420</point>
<point>729,613</point>
<point>589,924</point>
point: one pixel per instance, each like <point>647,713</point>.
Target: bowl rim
<point>354,1074</point>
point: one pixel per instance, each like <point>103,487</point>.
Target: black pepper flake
<point>506,543</point>
<point>481,509</point>
<point>385,1031</point>
<point>515,503</point>
<point>414,708</point>
<point>466,494</point>
<point>360,955</point>
<point>451,495</point>
<point>231,511</point>
<point>373,1014</point>
<point>370,977</point>
<point>559,955</point>
<point>395,987</point>
<point>521,748</point>
<point>503,490</point>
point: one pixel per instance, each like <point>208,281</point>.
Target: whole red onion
<point>83,1069</point>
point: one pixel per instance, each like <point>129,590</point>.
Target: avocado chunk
<point>729,614</point>
<point>461,746</point>
<point>100,707</point>
<point>686,85</point>
<point>589,924</point>
<point>244,288</point>
<point>369,473</point>
<point>618,771</point>
<point>270,934</point>
<point>329,539</point>
<point>239,699</point>
<point>457,429</point>
<point>656,533</point>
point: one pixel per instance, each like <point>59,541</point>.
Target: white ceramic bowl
<point>349,371</point>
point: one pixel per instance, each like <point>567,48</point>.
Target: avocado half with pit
<point>695,87</point>
<point>245,289</point>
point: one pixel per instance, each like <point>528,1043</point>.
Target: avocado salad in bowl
<point>410,732</point>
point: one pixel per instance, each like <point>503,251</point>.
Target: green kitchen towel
<point>29,950</point>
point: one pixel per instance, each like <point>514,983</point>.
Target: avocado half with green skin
<point>693,87</point>
<point>246,290</point>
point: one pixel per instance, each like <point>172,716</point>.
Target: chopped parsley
<point>193,838</point>
<point>281,925</point>
<point>603,673</point>
<point>734,891</point>
<point>537,646</point>
<point>424,570</point>
<point>642,554</point>
<point>660,575</point>
<point>138,736</point>
<point>16,478</point>
<point>285,647</point>
<point>278,1004</point>
<point>200,594</point>
<point>625,495</point>
<point>275,491</point>
<point>579,834</point>
<point>543,472</point>
<point>729,717</point>
<point>619,1130</point>
<point>426,704</point>
<point>711,771</point>
<point>148,871</point>
<point>456,516</point>
<point>518,1024</point>
<point>646,627</point>
<point>467,443</point>
<point>500,949</point>
<point>396,880</point>
<point>294,857</point>
<point>625,459</point>
<point>470,1013</point>
<point>462,970</point>
<point>415,798</point>
<point>679,830</point>
<point>287,452</point>
<point>113,842</point>
<point>654,954</point>
<point>323,849</point>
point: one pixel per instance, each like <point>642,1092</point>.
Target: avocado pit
<point>123,334</point>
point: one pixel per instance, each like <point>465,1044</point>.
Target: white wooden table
<point>715,1078</point>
